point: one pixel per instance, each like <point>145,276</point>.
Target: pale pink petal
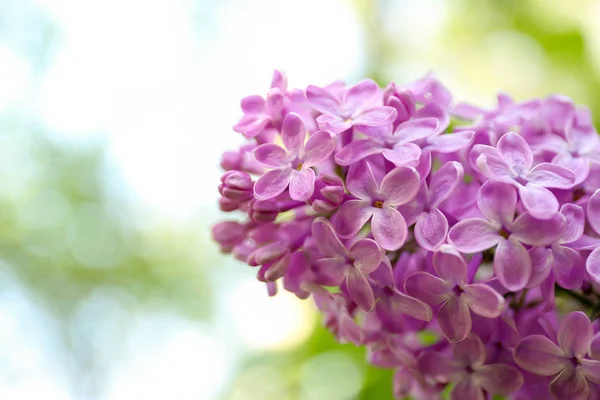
<point>469,352</point>
<point>326,240</point>
<point>360,181</point>
<point>302,184</point>
<point>570,385</point>
<point>272,183</point>
<point>352,216</point>
<point>499,378</point>
<point>450,142</point>
<point>436,366</point>
<point>541,265</point>
<point>467,389</point>
<point>450,265</point>
<point>575,222</point>
<point>473,235</point>
<point>444,181</point>
<point>374,116</point>
<point>416,129</point>
<point>426,287</point>
<point>360,289</point>
<point>552,176</point>
<point>253,104</point>
<point>512,264</point>
<point>333,123</point>
<point>580,166</point>
<point>403,154</point>
<point>498,202</point>
<point>356,151</point>
<point>431,230</point>
<point>538,201</point>
<point>455,319</point>
<point>494,168</point>
<point>537,354</point>
<point>389,228</point>
<point>366,254</point>
<point>591,370</point>
<point>592,265</point>
<point>516,152</point>
<point>359,96</point>
<point>538,232</point>
<point>319,147</point>
<point>293,133</point>
<point>483,300</point>
<point>593,211</point>
<point>575,334</point>
<point>322,100</point>
<point>400,186</point>
<point>271,155</point>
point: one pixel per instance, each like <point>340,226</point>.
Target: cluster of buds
<point>459,245</point>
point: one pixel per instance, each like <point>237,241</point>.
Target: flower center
<point>521,180</point>
<point>378,204</point>
<point>299,166</point>
<point>575,362</point>
<point>578,194</point>
<point>504,233</point>
<point>457,290</point>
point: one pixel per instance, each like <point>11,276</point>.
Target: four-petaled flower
<point>293,167</point>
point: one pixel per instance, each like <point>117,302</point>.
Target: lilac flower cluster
<point>460,245</point>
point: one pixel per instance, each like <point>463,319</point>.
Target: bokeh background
<point>113,114</point>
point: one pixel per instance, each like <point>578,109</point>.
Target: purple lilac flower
<point>456,295</point>
<point>512,162</point>
<point>566,362</point>
<point>293,164</point>
<point>593,214</point>
<point>377,202</point>
<point>500,230</point>
<point>353,107</point>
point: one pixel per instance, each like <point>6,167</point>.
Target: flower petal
<point>494,168</point>
<point>570,385</point>
<point>499,378</point>
<point>375,116</point>
<point>360,289</point>
<point>411,306</point>
<point>537,354</point>
<point>416,129</point>
<point>592,264</point>
<point>515,151</point>
<point>473,235</point>
<point>591,370</point>
<point>451,142</point>
<point>322,100</point>
<point>498,202</point>
<point>541,265</point>
<point>352,216</point>
<point>552,176</point>
<point>426,287</point>
<point>360,96</point>
<point>302,184</point>
<point>483,300</point>
<point>326,240</point>
<point>333,123</point>
<point>575,222</point>
<point>469,352</point>
<point>568,267</point>
<point>443,182</point>
<point>431,230</point>
<point>356,151</point>
<point>593,211</point>
<point>450,265</point>
<point>512,264</point>
<point>436,366</point>
<point>389,228</point>
<point>293,133</point>
<point>538,232</point>
<point>360,181</point>
<point>253,104</point>
<point>272,183</point>
<point>455,319</point>
<point>271,155</point>
<point>403,154</point>
<point>400,186</point>
<point>319,147</point>
<point>575,334</point>
<point>366,254</point>
<point>467,389</point>
<point>538,201</point>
